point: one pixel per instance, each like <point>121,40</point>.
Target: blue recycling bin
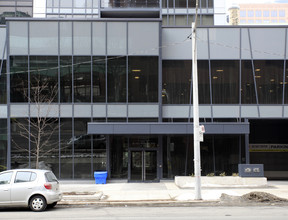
<point>100,177</point>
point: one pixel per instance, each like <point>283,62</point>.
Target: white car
<point>31,188</point>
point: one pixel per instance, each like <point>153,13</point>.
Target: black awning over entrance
<point>166,128</point>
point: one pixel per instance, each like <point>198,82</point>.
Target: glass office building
<point>123,95</point>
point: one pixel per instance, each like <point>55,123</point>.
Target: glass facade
<point>15,8</point>
<point>72,8</point>
<point>3,144</point>
<point>175,16</point>
<point>3,84</point>
<point>114,72</point>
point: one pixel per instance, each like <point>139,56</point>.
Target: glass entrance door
<point>143,165</point>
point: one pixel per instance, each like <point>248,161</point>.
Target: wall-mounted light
<point>136,77</point>
<point>136,71</point>
<point>257,70</point>
<point>219,71</point>
<point>257,77</point>
<point>215,77</point>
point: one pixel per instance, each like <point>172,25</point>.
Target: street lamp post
<point>197,167</point>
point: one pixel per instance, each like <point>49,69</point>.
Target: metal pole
<point>197,167</point>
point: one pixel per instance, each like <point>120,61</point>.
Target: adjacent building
<point>259,14</point>
<point>123,100</point>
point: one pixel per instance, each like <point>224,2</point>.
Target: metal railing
<point>130,4</point>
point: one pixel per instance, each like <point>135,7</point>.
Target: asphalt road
<point>141,213</point>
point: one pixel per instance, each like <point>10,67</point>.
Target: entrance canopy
<point>166,128</point>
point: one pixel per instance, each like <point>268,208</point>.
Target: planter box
<point>221,181</point>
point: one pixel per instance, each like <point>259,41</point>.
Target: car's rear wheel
<point>37,203</point>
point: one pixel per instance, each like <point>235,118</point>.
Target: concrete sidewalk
<point>87,192</point>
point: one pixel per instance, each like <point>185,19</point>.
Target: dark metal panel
<point>234,129</point>
<point>165,128</point>
<point>168,128</point>
<point>131,129</point>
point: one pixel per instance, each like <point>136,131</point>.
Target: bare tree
<point>42,125</point>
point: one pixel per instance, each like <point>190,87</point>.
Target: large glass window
<point>44,79</point>
<point>286,85</point>
<point>43,38</point>
<point>15,9</point>
<point>226,154</point>
<point>116,79</point>
<point>65,38</point>
<point>3,87</point>
<point>225,81</point>
<point>82,149</point>
<point>143,79</point>
<point>248,95</point>
<point>18,38</point>
<point>119,157</point>
<point>176,81</point>
<point>82,38</point>
<point>203,82</point>
<point>99,79</point>
<point>3,144</point>
<point>99,153</point>
<point>82,79</point>
<point>48,144</point>
<point>66,79</point>
<point>181,4</point>
<point>269,75</point>
<point>19,144</point>
<point>66,154</point>
<point>19,79</point>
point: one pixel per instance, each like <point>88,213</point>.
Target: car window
<point>50,177</point>
<point>25,176</point>
<point>5,178</point>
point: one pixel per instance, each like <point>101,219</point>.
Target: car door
<point>5,187</point>
<point>22,187</point>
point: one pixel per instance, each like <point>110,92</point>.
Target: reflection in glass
<point>225,81</point>
<point>19,145</point>
<point>48,144</point>
<point>43,38</point>
<point>82,149</point>
<point>65,79</point>
<point>3,144</point>
<point>248,95</point>
<point>3,85</point>
<point>226,154</point>
<point>181,4</point>
<point>269,75</point>
<point>203,82</point>
<point>116,81</point>
<point>143,79</point>
<point>82,79</point>
<point>119,157</point>
<point>44,78</point>
<point>286,85</point>
<point>99,79</point>
<point>99,153</point>
<point>176,81</point>
<point>66,154</point>
<point>19,79</point>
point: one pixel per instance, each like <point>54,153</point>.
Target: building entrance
<point>143,166</point>
<point>143,160</point>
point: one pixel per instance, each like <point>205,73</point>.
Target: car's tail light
<point>48,186</point>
